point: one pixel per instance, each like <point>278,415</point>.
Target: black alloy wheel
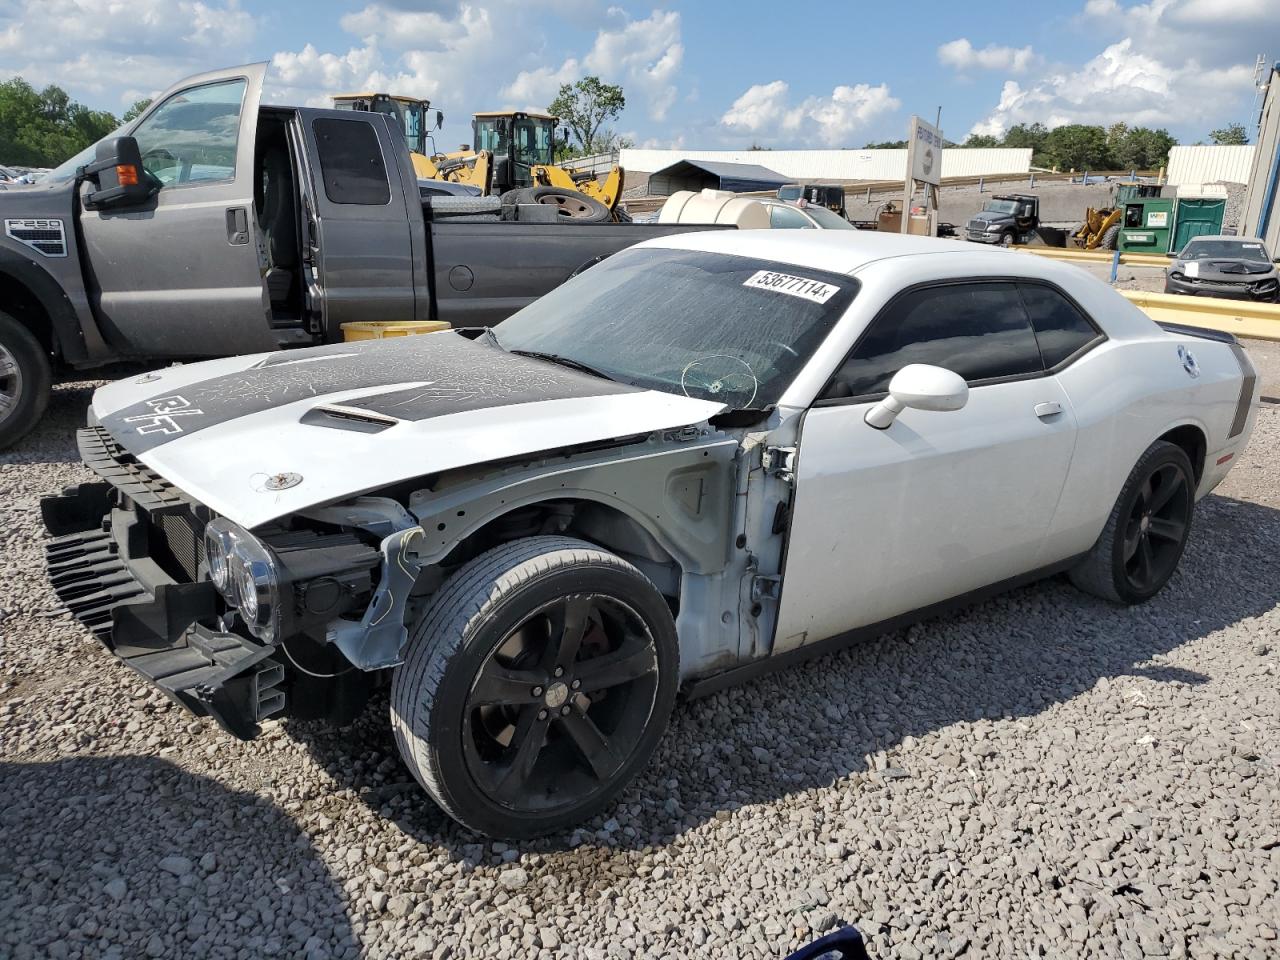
<point>561,704</point>
<point>1156,529</point>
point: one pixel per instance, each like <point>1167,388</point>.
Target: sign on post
<point>924,165</point>
<point>924,152</point>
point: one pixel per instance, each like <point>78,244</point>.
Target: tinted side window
<point>351,162</point>
<point>1060,328</point>
<point>978,330</point>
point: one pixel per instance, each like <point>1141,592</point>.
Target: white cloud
<point>962,55</point>
<point>1177,63</point>
<point>110,49</point>
<point>765,112</point>
<point>644,56</point>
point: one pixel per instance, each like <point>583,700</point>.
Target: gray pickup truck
<point>212,226</point>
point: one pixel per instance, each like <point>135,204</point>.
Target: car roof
<point>1225,236</point>
<point>838,251</point>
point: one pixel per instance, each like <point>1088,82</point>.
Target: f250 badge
<point>164,410</point>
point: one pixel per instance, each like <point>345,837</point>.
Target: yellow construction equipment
<point>414,120</point>
<point>1100,228</point>
<point>510,150</point>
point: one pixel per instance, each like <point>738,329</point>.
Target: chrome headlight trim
<point>251,579</point>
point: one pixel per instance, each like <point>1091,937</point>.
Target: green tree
<point>1232,135</point>
<point>41,129</point>
<point>887,145</point>
<point>981,140</point>
<point>1142,148</point>
<point>136,110</point>
<point>585,106</point>
<point>1024,135</point>
<point>1076,146</point>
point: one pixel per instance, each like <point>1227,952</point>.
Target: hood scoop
<point>340,417</point>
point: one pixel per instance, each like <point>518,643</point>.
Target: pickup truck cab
<point>212,225</point>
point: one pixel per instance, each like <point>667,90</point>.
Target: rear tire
<point>25,381</point>
<point>516,723</point>
<point>1147,531</point>
<point>1109,237</point>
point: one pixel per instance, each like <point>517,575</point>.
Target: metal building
<point>1194,166</point>
<point>702,174</point>
<point>1261,204</point>
<point>841,165</point>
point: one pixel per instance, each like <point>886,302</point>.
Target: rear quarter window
<point>351,163</point>
<point>1061,329</point>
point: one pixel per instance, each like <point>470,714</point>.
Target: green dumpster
<point>1197,216</point>
<point>1147,226</point>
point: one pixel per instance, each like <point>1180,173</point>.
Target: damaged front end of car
<point>129,557</point>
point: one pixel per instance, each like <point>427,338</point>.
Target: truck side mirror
<point>118,174</point>
<point>439,119</point>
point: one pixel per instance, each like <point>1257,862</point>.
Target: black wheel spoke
<point>1131,540</point>
<point>1145,561</point>
<point>568,626</point>
<point>633,660</point>
<point>1145,493</point>
<point>1167,529</point>
<point>527,743</point>
<point>502,685</point>
<point>592,744</point>
<point>1170,484</point>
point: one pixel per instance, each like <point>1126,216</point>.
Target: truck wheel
<point>1109,236</point>
<point>571,205</point>
<point>25,379</point>
<point>1147,531</point>
<point>535,685</point>
<point>1006,239</point>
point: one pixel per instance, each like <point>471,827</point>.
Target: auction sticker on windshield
<point>801,287</point>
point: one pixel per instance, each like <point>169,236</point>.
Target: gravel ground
<point>1042,775</point>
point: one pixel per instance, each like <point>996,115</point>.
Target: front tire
<point>1147,531</point>
<point>535,685</point>
<point>25,381</point>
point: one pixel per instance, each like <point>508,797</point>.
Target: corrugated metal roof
<point>841,164</point>
<point>1194,165</point>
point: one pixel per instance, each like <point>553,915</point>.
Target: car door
<point>362,255</point>
<point>941,503</point>
<point>183,275</point>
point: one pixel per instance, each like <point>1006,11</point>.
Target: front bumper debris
<point>1221,291</point>
<point>212,673</point>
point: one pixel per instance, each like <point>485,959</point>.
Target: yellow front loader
<point>510,150</point>
<point>1100,228</point>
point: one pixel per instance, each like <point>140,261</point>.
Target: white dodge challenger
<point>706,457</point>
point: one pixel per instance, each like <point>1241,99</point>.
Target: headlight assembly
<point>245,573</point>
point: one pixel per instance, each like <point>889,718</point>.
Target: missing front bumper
<point>156,629</point>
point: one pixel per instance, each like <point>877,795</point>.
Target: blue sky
<point>698,75</point>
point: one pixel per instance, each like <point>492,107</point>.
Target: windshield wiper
<point>562,361</point>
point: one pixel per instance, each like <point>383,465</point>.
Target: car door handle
<point>237,226</point>
<point>1050,408</point>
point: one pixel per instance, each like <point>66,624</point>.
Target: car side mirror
<point>118,174</point>
<point>923,387</point>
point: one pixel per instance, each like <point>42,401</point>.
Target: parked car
<point>1236,268</point>
<point>803,215</point>
<point>212,226</point>
<point>535,534</point>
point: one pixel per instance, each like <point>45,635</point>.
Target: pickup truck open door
<point>182,274</point>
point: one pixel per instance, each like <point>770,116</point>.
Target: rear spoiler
<point>1221,336</point>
